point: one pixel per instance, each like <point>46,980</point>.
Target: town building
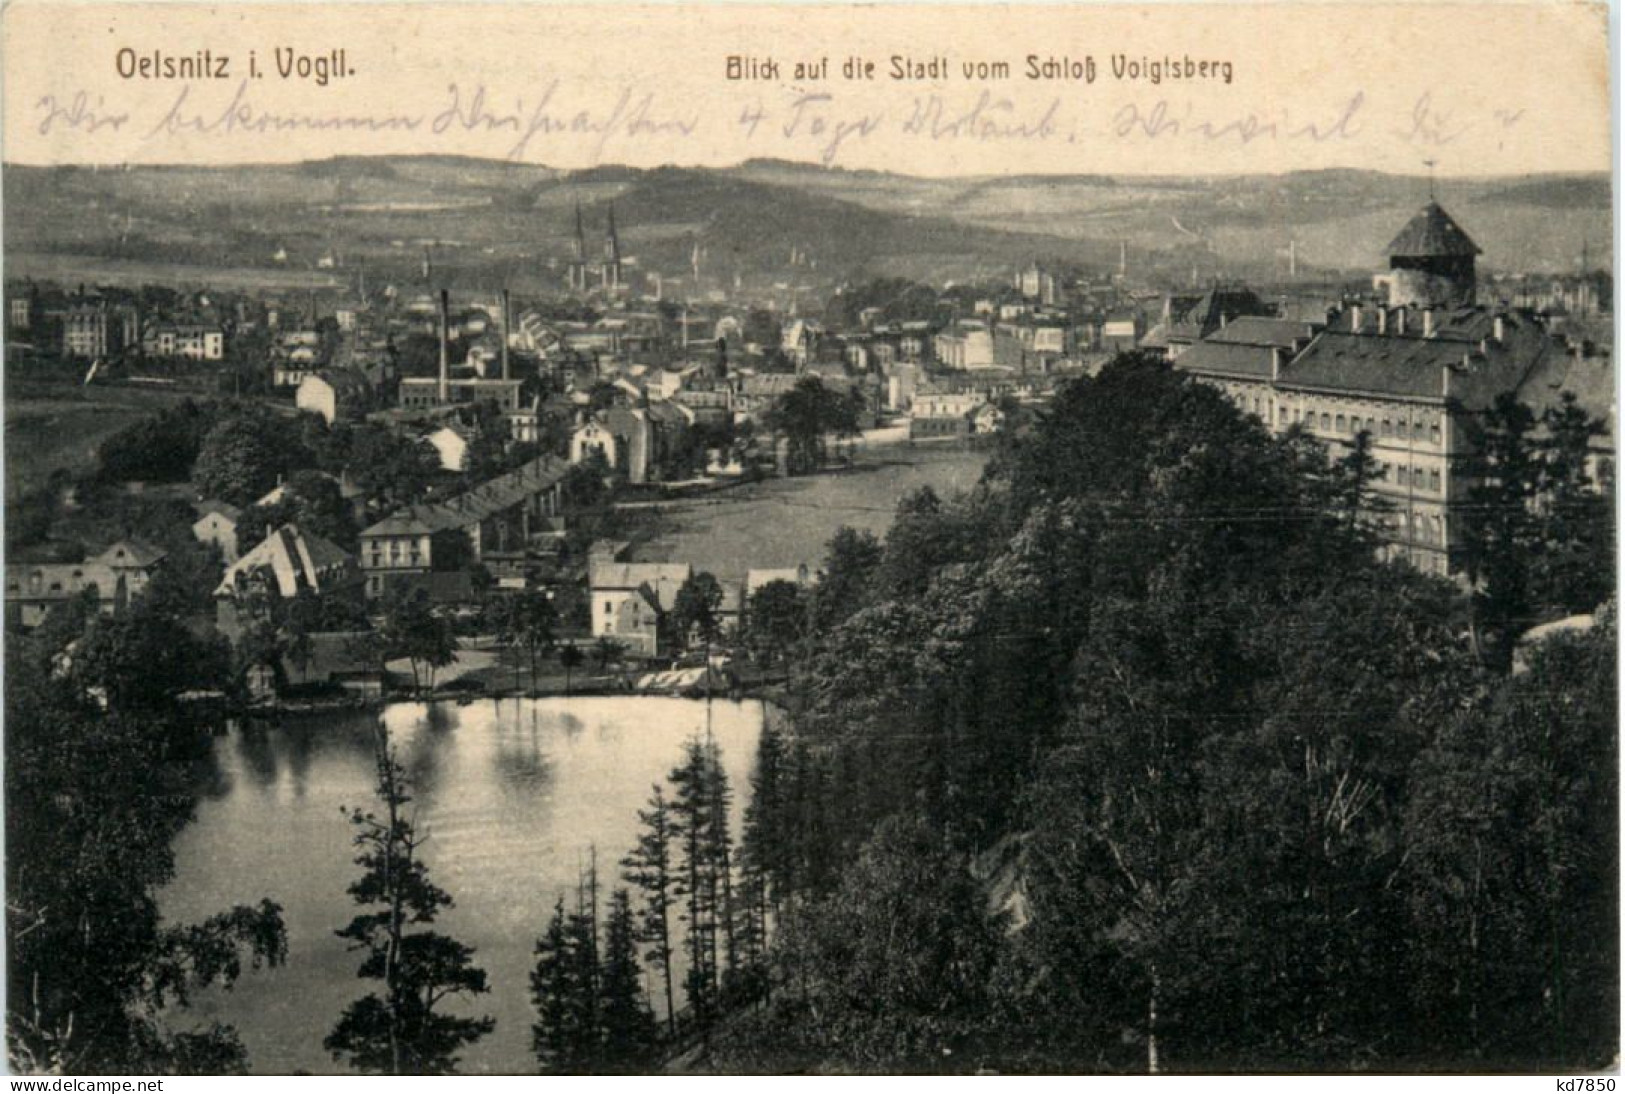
<point>97,329</point>
<point>1411,373</point>
<point>631,599</point>
<point>1187,320</point>
<point>430,546</point>
<point>966,345</point>
<point>217,524</point>
<point>636,442</point>
<point>334,393</point>
<point>284,564</point>
<point>939,414</point>
<point>118,575</point>
<point>451,443</point>
<point>424,393</point>
<point>189,342</point>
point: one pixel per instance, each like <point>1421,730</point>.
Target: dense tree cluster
<point>1138,758</point>
<point>807,416</point>
<point>100,753</point>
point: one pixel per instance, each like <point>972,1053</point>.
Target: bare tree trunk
<point>1151,1061</point>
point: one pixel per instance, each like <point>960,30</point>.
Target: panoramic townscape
<point>463,617</point>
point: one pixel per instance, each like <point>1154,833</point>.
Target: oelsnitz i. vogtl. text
<point>1123,67</point>
<point>208,64</point>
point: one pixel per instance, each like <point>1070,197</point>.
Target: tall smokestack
<point>444,391</point>
<point>505,313</point>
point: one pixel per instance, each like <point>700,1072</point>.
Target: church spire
<point>612,241</point>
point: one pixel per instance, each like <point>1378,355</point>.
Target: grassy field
<point>784,522</point>
<point>52,426</point>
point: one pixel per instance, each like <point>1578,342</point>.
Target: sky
<point>1120,89</point>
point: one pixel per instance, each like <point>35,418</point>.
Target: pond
<point>515,795</point>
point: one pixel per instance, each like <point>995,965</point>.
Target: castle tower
<point>1431,262</point>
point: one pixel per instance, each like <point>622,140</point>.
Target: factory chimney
<point>506,311</point>
<point>444,391</point>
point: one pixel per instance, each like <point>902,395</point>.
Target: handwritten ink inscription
<point>817,122</point>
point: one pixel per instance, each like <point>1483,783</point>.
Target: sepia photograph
<point>715,539</point>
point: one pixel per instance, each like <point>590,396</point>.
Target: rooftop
<point>1432,233</point>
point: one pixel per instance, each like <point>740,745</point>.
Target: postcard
<point>711,538</point>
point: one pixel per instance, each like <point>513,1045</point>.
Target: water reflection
<point>512,795</point>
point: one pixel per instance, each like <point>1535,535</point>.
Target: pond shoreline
<point>768,688</point>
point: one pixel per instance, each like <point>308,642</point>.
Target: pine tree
<point>721,854</point>
<point>565,1035</point>
<point>764,846</point>
<point>400,1032</point>
<point>650,866</point>
<point>691,811</point>
<point>629,1031</point>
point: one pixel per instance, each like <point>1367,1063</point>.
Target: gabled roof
<point>215,505</point>
<point>665,578</point>
<point>1589,379</point>
<point>296,559</point>
<point>473,506</point>
<point>1260,330</point>
<point>1411,366</point>
<point>1432,233</point>
<point>130,552</point>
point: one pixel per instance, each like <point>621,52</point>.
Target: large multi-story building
<point>1410,371</point>
<point>99,329</point>
<point>501,516</point>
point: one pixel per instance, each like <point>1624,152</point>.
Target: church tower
<point>1431,262</point>
<point>612,254</point>
<point>578,263</point>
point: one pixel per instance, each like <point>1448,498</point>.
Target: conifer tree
<point>399,1031</point>
<point>692,813</point>
<point>629,1031</point>
<point>565,1034</point>
<point>651,867</point>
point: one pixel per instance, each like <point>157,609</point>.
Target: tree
<point>400,1032</point>
<point>692,818</point>
<point>1511,878</point>
<point>850,564</point>
<point>651,868</point>
<point>391,469</point>
<point>629,1030</point>
<point>1501,532</point>
<point>311,500</point>
<point>162,448</point>
<point>694,611</point>
<point>585,483</point>
<point>244,454</point>
<point>94,800</point>
<point>563,988</point>
<point>527,621</point>
<point>608,651</point>
<point>804,416</point>
<point>570,657</point>
<point>1574,572</point>
<point>412,630</point>
<point>891,971</point>
<point>776,620</point>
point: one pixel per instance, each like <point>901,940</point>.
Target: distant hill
<point>490,220</point>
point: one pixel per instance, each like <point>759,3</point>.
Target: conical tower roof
<point>1432,234</point>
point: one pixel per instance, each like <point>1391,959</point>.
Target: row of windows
<point>1413,478</point>
<point>1418,429</point>
<point>1417,527</point>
